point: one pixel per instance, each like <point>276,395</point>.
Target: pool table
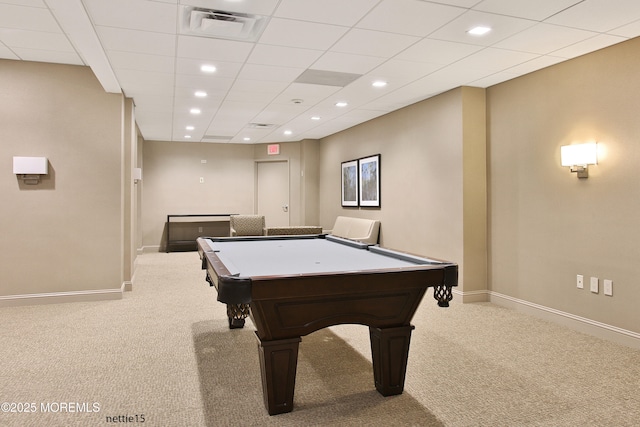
<point>291,286</point>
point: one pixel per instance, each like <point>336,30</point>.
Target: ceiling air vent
<point>261,126</point>
<point>216,138</point>
<point>221,24</point>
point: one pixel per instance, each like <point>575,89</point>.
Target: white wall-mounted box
<point>30,165</point>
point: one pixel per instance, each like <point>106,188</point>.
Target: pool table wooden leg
<point>278,363</point>
<point>390,351</point>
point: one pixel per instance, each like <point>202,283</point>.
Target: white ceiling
<point>421,48</point>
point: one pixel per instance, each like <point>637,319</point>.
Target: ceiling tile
<point>135,82</point>
<point>269,73</point>
<point>535,64</point>
<point>6,53</point>
<point>598,15</point>
<point>595,43</point>
<point>460,3</point>
<point>134,14</point>
<point>336,12</point>
<point>306,92</point>
<point>204,82</point>
<point>27,18</point>
<point>279,114</point>
<point>538,10</point>
<point>52,56</point>
<point>373,43</point>
<point>307,34</point>
<point>409,17</point>
<point>347,63</point>
<point>493,79</point>
<point>137,41</point>
<point>283,56</point>
<point>438,51</point>
<point>544,38</point>
<point>492,59</point>
<point>257,86</point>
<point>35,40</point>
<point>209,49</point>
<point>141,61</point>
<point>192,66</point>
<point>160,68</point>
<point>129,77</point>
<point>30,3</point>
<point>152,103</point>
<point>501,28</point>
<point>399,72</point>
<point>630,30</point>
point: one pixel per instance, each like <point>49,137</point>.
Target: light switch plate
<point>594,285</point>
<point>608,287</point>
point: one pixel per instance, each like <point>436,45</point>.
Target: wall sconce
<point>579,156</point>
<point>137,175</point>
<point>29,169</point>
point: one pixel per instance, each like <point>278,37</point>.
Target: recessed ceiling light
<point>195,111</point>
<point>315,118</point>
<point>246,138</point>
<point>479,30</point>
<point>200,94</point>
<point>187,136</point>
<point>341,104</point>
<point>379,83</point>
<point>189,128</point>
<point>206,68</point>
<point>287,132</point>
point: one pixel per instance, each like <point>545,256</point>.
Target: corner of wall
<point>474,159</point>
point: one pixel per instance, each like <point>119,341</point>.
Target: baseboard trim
<point>151,249</point>
<point>578,323</point>
<point>62,297</point>
<point>472,296</point>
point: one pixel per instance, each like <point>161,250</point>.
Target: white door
<point>272,195</point>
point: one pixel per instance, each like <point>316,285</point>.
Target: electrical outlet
<point>608,287</point>
<point>201,180</point>
<point>199,229</point>
<point>594,285</point>
<point>580,281</point>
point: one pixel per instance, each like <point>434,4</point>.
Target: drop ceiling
<point>264,81</point>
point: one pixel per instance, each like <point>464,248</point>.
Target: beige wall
<point>64,235</point>
<point>310,178</point>
<point>428,173</point>
<point>171,182</point>
<point>546,225</point>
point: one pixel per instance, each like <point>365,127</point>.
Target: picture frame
<point>369,181</point>
<point>349,182</point>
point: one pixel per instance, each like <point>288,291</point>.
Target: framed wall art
<point>350,183</point>
<point>369,181</point>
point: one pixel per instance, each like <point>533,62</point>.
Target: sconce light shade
<point>579,156</point>
<point>29,169</point>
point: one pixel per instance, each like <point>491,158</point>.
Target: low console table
<point>184,229</point>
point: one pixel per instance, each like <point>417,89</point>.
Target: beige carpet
<point>164,353</point>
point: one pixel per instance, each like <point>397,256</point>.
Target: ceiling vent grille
<point>216,138</point>
<point>261,126</point>
<point>221,24</point>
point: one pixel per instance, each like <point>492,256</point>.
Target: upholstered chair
<point>247,225</point>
